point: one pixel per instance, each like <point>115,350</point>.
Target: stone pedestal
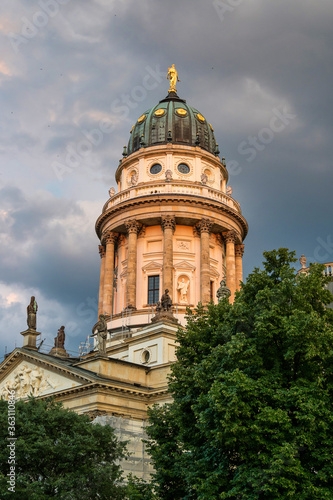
<point>59,351</point>
<point>164,316</point>
<point>29,338</point>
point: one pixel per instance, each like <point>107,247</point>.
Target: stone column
<point>168,223</point>
<point>133,228</point>
<point>109,240</point>
<point>230,238</point>
<point>239,250</point>
<point>204,227</point>
<point>101,249</point>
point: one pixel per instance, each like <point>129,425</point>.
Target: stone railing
<point>189,188</point>
<point>329,269</point>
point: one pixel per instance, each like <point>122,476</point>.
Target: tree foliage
<point>59,454</point>
<point>253,390</point>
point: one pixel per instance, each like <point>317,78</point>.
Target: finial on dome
<point>173,77</point>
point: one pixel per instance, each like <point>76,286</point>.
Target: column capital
<point>101,249</point>
<point>133,226</point>
<point>239,250</point>
<point>142,231</point>
<point>109,237</point>
<point>168,221</point>
<point>230,236</point>
<point>205,225</point>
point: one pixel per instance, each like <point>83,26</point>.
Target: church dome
<point>172,121</point>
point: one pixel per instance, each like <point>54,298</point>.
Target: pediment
<point>214,272</point>
<point>152,265</point>
<point>28,376</point>
<point>184,265</point>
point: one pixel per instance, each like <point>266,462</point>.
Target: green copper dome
<point>174,121</point>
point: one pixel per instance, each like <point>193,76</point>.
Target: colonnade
<point>233,262</point>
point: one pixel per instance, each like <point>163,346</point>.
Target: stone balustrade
<point>173,188</point>
<point>329,269</point>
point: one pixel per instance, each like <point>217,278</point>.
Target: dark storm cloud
<point>237,65</point>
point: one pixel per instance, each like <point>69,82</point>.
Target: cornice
<point>135,392</point>
<point>49,363</point>
<point>170,198</point>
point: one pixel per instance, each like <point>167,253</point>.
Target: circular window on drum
<point>155,169</point>
<point>183,168</point>
<point>145,356</point>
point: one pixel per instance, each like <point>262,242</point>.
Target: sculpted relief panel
<point>28,379</point>
<point>183,245</point>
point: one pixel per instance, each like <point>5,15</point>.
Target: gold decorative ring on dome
<point>181,112</point>
<point>200,118</point>
<point>159,112</point>
<point>142,117</point>
<point>211,128</point>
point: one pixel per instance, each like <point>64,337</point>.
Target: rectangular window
<point>153,289</point>
<point>212,291</point>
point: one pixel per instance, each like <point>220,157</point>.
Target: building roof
<point>172,121</point>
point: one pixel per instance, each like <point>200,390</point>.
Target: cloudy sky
<point>259,70</point>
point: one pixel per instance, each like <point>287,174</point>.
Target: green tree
<point>252,413</point>
<point>59,454</point>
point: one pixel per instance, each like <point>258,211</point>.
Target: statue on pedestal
<point>163,309</point>
<point>223,291</point>
<point>59,340</point>
<point>173,77</point>
<point>166,301</point>
<point>32,314</point>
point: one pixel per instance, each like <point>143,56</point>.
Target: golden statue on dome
<point>173,77</point>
